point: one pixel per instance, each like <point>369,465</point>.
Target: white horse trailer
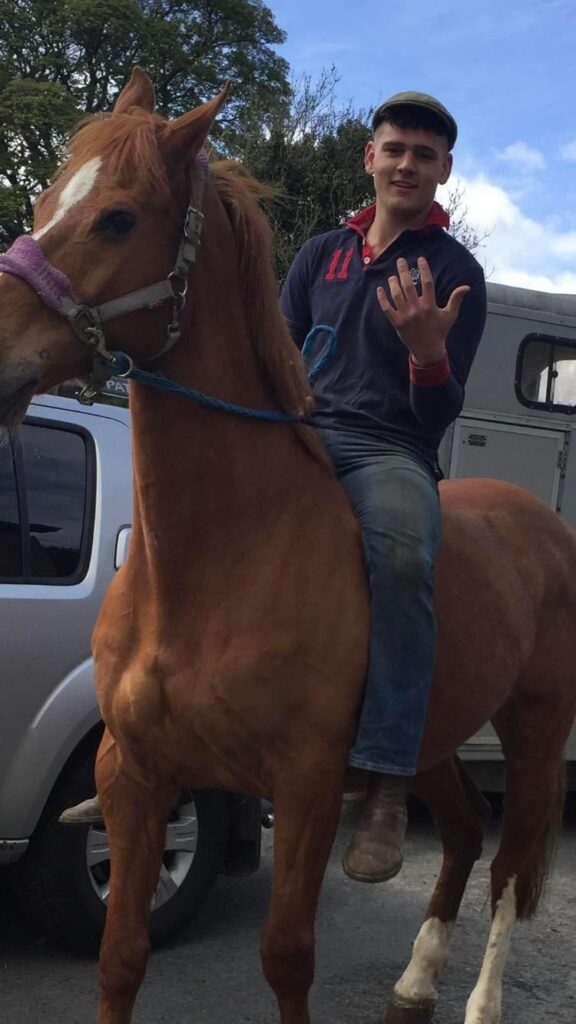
<point>518,424</point>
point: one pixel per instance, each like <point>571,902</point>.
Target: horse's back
<point>505,597</point>
<point>484,519</point>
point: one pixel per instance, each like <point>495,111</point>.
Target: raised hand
<point>421,325</point>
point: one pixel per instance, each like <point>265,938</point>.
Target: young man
<point>408,304</point>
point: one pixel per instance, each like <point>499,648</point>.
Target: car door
<point>65,497</point>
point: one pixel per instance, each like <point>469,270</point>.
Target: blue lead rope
<point>122,366</point>
<point>325,355</point>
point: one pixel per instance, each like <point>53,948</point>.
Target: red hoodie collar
<point>360,222</point>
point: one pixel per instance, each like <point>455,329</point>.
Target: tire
<point>61,883</point>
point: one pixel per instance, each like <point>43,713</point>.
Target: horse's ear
<point>138,93</point>
<point>184,137</point>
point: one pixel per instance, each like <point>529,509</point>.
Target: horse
<point>231,648</point>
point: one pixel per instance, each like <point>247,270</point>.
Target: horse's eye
<point>115,222</point>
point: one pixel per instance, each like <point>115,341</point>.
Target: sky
<point>506,70</point>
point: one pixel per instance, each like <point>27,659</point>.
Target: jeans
<point>395,497</point>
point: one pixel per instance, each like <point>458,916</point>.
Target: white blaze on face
<point>429,957</point>
<point>485,1004</point>
<point>74,190</point>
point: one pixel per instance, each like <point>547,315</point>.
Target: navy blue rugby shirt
<point>370,384</point>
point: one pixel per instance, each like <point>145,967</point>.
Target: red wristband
<point>429,376</point>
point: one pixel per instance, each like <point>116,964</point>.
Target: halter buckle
<point>179,285</point>
<point>193,223</point>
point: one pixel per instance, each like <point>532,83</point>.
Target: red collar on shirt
<point>437,218</point>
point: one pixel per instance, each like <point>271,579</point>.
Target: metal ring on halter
<point>129,360</point>
<point>175,279</point>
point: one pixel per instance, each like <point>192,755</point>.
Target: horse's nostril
<point>44,355</point>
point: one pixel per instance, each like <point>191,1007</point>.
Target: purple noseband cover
<point>25,259</point>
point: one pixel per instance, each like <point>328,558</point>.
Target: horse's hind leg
<point>306,816</point>
<point>461,813</point>
<point>533,737</point>
<point>135,819</point>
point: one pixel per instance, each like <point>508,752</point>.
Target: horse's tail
<point>548,843</point>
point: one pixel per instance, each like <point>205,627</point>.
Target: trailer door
<point>531,457</point>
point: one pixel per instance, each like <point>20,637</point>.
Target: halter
<point>26,260</point>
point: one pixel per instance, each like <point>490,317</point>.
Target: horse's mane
<point>240,194</point>
<point>129,144</point>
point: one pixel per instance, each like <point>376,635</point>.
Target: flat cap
<point>422,101</point>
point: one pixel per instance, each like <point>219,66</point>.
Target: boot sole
<point>90,819</point>
<point>358,876</point>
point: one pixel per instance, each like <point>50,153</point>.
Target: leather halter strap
<point>26,260</point>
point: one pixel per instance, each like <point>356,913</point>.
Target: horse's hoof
<point>405,1013</point>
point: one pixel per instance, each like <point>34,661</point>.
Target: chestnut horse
<point>231,647</point>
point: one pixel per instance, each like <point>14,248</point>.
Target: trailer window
<point>546,373</point>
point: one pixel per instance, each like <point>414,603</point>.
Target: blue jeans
<point>395,497</point>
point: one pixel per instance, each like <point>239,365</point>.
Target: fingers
<point>397,292</point>
<point>402,286</point>
<point>385,305</point>
<point>406,302</point>
<point>406,280</point>
<point>452,307</point>
<point>426,279</point>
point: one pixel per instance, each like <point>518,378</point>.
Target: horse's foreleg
<point>135,819</point>
<point>461,813</point>
<point>535,785</point>
<point>306,818</point>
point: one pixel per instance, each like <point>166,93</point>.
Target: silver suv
<point>65,509</point>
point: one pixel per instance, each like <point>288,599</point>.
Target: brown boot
<point>375,851</point>
<point>88,812</point>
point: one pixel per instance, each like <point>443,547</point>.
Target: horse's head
<point>109,226</point>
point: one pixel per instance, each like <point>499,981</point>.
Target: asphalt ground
<point>212,973</point>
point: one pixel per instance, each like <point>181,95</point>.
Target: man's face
<point>408,164</point>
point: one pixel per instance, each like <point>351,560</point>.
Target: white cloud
<point>518,250</point>
<point>522,157</point>
<point>565,245</point>
<point>568,150</point>
<point>562,284</point>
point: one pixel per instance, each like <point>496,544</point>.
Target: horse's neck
<point>201,474</point>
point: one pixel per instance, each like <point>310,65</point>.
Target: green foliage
<point>320,180</point>
<point>61,59</point>
<point>313,154</point>
<point>35,120</point>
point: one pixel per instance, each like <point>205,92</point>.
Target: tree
<point>61,59</point>
<point>35,119</point>
<point>460,226</point>
<point>312,153</point>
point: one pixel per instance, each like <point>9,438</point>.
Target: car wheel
<point>62,882</point>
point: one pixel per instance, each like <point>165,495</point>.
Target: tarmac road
<point>212,974</point>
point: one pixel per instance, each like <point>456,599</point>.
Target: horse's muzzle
<point>16,390</point>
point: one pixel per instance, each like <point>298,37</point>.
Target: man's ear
<point>183,138</point>
<point>446,169</point>
<point>138,93</point>
<point>369,157</point>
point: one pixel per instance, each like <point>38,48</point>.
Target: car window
<point>43,501</point>
<point>10,539</point>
